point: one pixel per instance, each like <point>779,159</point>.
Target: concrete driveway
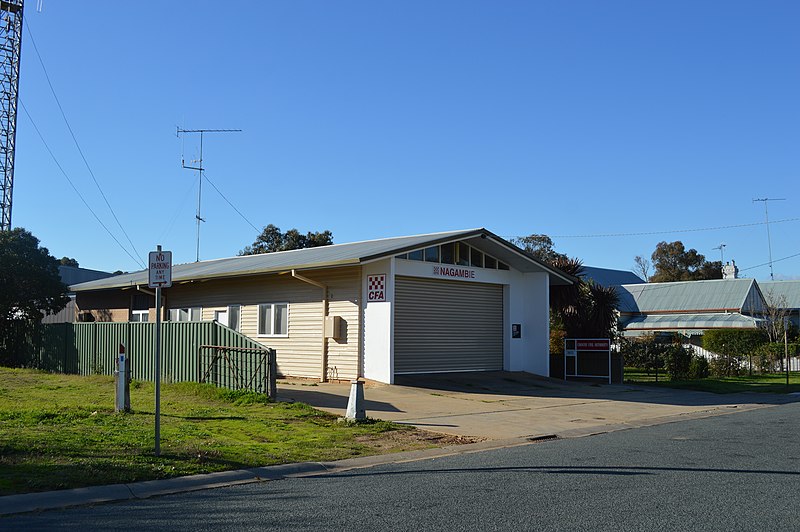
<point>506,405</point>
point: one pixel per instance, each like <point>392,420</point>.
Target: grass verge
<point>764,383</point>
<point>60,431</point>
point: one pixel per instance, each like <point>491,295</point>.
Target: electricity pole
<point>200,169</point>
<point>769,240</point>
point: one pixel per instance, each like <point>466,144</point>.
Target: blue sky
<point>376,119</point>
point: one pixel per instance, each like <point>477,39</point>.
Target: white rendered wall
<point>378,344</point>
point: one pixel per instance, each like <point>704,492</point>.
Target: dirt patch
<point>412,440</point>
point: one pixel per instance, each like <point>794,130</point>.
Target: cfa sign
<point>160,269</point>
<point>376,287</point>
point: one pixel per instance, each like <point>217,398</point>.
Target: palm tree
<point>583,309</point>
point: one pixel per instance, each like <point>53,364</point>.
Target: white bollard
<point>355,405</point>
<point>122,401</point>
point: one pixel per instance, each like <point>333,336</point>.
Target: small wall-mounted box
<point>333,327</point>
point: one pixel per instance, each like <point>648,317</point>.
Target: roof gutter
<point>323,377</point>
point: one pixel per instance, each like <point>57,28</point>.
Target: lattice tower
<point>10,48</point>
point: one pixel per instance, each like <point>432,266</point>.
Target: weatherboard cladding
<point>300,353</point>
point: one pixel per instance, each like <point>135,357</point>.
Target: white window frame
<point>270,333</point>
<point>190,311</point>
<point>140,313</point>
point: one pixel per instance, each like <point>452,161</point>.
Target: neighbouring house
<point>442,302</point>
<point>783,294</point>
<point>690,307</point>
<point>609,277</point>
<point>71,275</point>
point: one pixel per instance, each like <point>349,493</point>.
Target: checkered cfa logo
<point>376,287</point>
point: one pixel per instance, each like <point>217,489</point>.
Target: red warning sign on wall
<point>376,287</point>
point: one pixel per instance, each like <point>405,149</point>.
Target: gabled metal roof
<point>608,277</point>
<point>740,295</point>
<point>335,255</point>
<point>774,291</point>
<point>73,275</point>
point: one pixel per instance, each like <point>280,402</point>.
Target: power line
<point>645,233</point>
<point>769,239</point>
<point>200,170</point>
<point>64,173</point>
<point>177,213</point>
<point>769,263</point>
<point>229,203</point>
<point>75,140</point>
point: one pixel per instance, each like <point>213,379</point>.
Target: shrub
<point>732,346</point>
<point>652,353</point>
<point>698,368</point>
<point>557,336</point>
<point>725,366</point>
<point>770,357</point>
<point>736,342</point>
<point>677,360</point>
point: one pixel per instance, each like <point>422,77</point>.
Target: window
<point>234,311</point>
<point>448,253</point>
<point>185,314</point>
<point>140,316</point>
<point>273,319</point>
<point>432,254</point>
<point>228,317</point>
<point>415,255</point>
<point>458,253</point>
<point>477,258</point>
<point>463,254</point>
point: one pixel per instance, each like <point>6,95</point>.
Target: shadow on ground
<point>522,384</point>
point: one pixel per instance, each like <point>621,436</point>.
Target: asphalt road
<point>732,472</point>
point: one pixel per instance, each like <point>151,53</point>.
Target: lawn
<point>767,383</point>
<point>60,431</point>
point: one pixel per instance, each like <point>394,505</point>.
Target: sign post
<point>587,358</point>
<point>159,276</point>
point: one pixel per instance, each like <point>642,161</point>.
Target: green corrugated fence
<point>92,348</point>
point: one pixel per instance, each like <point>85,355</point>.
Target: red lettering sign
<point>450,271</point>
<point>593,345</point>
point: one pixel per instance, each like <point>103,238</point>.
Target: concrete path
<point>503,405</point>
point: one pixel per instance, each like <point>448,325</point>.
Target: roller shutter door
<point>447,326</point>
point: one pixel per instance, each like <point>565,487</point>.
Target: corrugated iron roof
<point>775,290</point>
<point>332,256</point>
<point>689,296</point>
<point>73,275</point>
<point>608,277</point>
<point>662,322</point>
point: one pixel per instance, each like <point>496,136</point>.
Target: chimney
<point>730,271</point>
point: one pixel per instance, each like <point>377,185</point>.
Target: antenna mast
<point>10,48</point>
<point>721,249</point>
<point>200,170</point>
<point>769,240</point>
